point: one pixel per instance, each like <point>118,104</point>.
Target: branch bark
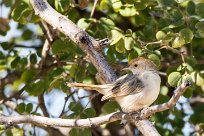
<point>87,43</point>
<point>145,126</point>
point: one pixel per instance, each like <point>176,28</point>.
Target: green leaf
<point>33,58</point>
<point>160,35</point>
<point>128,11</point>
<point>56,72</point>
<point>119,46</point>
<point>86,132</point>
<point>116,4</point>
<point>21,107</point>
<point>129,43</point>
<point>36,89</point>
<point>173,78</point>
<point>200,9</point>
<point>191,61</point>
<point>8,3</point>
<point>165,3</point>
<point>187,35</point>
<point>5,45</point>
<point>115,36</point>
<point>133,54</point>
<point>73,70</point>
<point>155,59</point>
<point>27,34</point>
<point>61,5</point>
<point>56,83</point>
<point>80,132</point>
<point>162,99</point>
<point>15,62</point>
<point>178,42</point>
<point>110,107</point>
<point>190,8</point>
<point>74,132</point>
<point>200,28</point>
<point>23,62</point>
<point>29,108</point>
<point>92,70</point>
<point>18,11</point>
<point>24,14</point>
<point>84,23</point>
<point>75,107</point>
<point>188,93</point>
<point>59,46</point>
<point>104,5</point>
<point>164,90</point>
<point>27,76</point>
<point>80,74</point>
<point>107,21</point>
<point>17,132</point>
<point>88,113</point>
<point>197,78</point>
<point>198,114</point>
<point>88,80</point>
<point>140,5</point>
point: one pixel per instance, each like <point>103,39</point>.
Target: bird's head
<point>141,64</point>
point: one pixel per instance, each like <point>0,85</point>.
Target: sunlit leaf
<point>119,46</point>
<point>115,36</point>
<point>186,34</point>
<point>173,78</point>
<point>116,4</point>
<point>128,11</point>
<point>160,35</point>
<point>129,43</point>
<point>155,59</point>
<point>178,42</point>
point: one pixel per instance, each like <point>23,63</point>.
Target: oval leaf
<point>173,78</point>
<point>186,34</point>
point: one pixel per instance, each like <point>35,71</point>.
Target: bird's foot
<point>123,122</point>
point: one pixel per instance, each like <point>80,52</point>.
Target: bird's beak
<point>128,68</point>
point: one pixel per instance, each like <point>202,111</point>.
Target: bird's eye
<point>135,65</point>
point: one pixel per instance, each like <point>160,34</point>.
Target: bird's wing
<point>125,85</point>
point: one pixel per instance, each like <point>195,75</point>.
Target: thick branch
<point>38,120</point>
<point>143,125</point>
<point>87,43</point>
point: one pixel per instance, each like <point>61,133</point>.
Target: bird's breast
<point>144,98</point>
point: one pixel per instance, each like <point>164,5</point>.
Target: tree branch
<point>41,103</point>
<point>143,125</point>
<point>87,43</point>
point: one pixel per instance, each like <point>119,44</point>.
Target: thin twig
<point>41,103</point>
<point>66,99</point>
<point>93,8</point>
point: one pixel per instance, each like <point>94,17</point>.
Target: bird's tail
<point>99,88</point>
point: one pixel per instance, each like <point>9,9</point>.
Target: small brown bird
<point>133,91</point>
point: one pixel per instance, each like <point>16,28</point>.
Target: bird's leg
<point>136,114</point>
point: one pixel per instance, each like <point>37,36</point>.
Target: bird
<point>133,91</point>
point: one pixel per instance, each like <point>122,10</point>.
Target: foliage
<point>169,32</point>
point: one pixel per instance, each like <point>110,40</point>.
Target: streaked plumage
<point>132,91</point>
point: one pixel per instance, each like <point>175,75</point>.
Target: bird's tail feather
<point>99,88</point>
